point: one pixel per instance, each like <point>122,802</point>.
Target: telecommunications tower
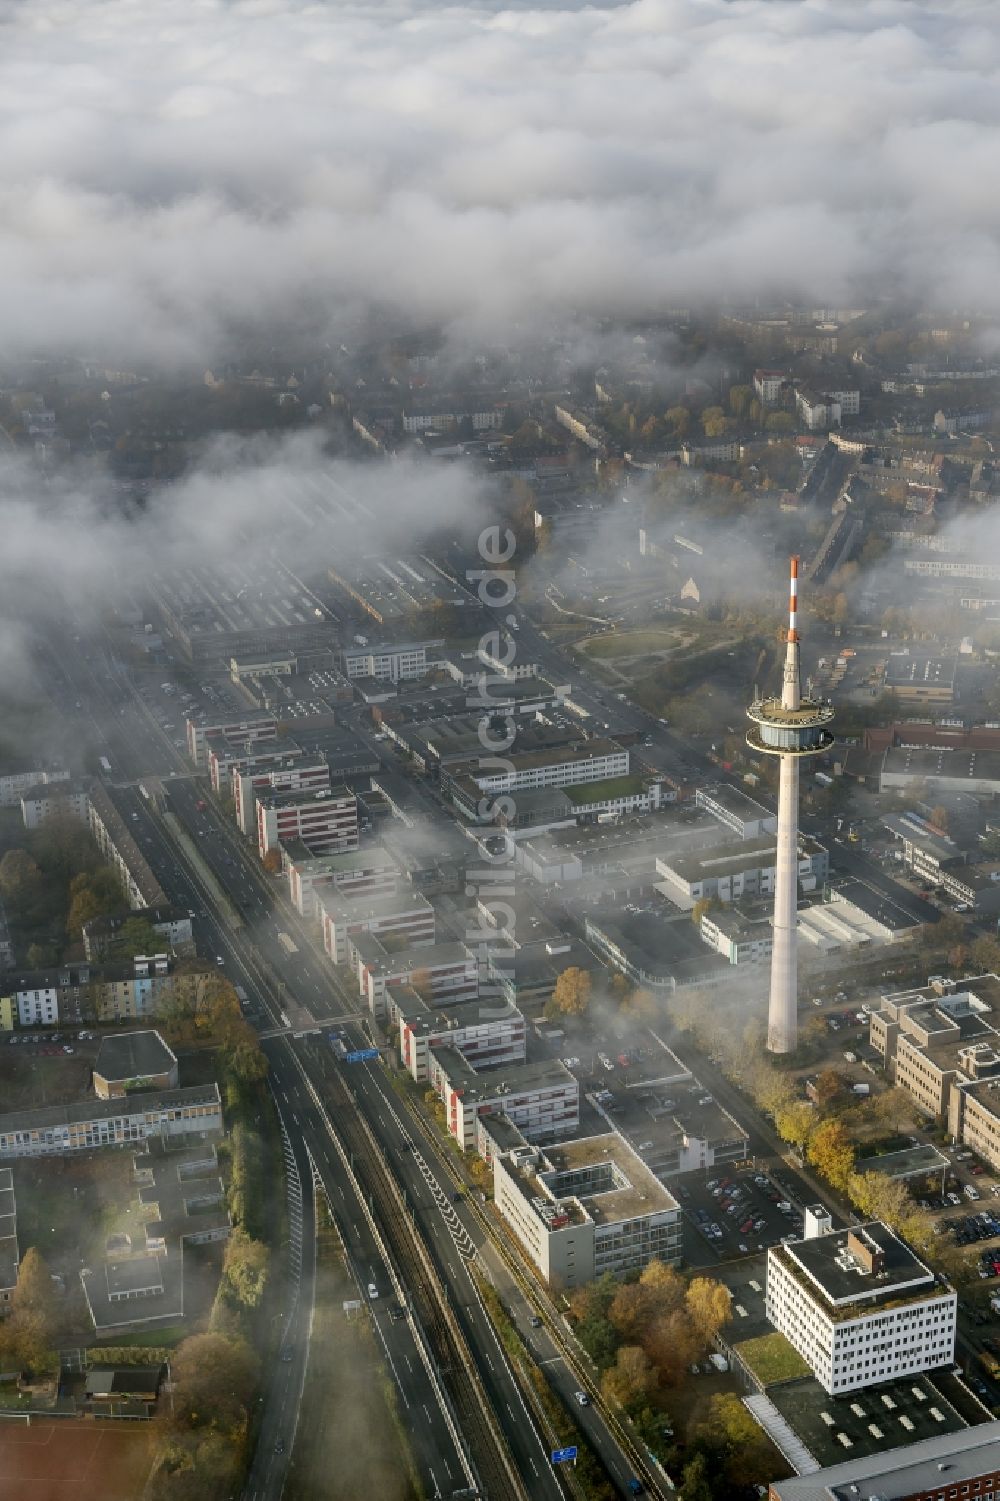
<point>789,727</point>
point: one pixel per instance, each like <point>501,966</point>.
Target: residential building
<point>15,784</point>
<point>325,821</point>
<point>860,1307</point>
<point>240,729</point>
<point>767,385</point>
<point>57,1129</point>
<point>540,1099</point>
<point>51,799</point>
<point>405,914</point>
<point>488,1033</point>
<point>304,774</point>
<point>128,1061</point>
<point>133,990</point>
<point>946,1467</point>
<point>172,923</point>
<point>446,972</point>
<point>583,1208</point>
<point>354,875</point>
<point>119,848</point>
<point>9,1252</point>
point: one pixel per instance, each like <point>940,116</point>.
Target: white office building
<point>860,1307</point>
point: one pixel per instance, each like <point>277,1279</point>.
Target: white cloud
<point>168,173</point>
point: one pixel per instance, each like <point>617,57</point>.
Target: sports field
<point>73,1459</point>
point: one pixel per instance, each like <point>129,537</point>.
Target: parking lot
<point>732,1214</point>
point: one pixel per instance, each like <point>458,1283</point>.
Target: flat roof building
<point>129,1061</point>
<point>583,1208</point>
<point>925,680</point>
<point>737,811</point>
<point>488,1033</point>
<point>949,1464</point>
<point>404,914</point>
<point>860,1307</point>
<point>57,1129</point>
<point>354,874</point>
<point>541,1099</point>
<point>325,820</point>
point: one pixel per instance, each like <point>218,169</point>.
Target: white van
<point>970,1192</point>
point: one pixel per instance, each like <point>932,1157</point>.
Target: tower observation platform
<point>790,727</point>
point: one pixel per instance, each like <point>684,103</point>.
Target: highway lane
<point>441,1463</point>
<point>459,1235</point>
<point>285,1378</point>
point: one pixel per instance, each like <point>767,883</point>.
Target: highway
<point>243,930</point>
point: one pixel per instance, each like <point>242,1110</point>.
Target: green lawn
<point>628,644</point>
<point>772,1359</point>
<point>602,792</point>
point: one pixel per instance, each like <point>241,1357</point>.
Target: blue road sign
<point>364,1055</point>
<point>563,1456</point>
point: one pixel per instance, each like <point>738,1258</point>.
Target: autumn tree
<point>571,994</point>
<point>214,1377</point>
<point>20,879</point>
<point>827,1085</point>
<point>795,1123</point>
<point>33,1292</point>
<point>831,1153</point>
<point>705,904</point>
<point>245,1267</point>
<point>708,1306</point>
<point>632,1377</point>
<point>695,1481</point>
<point>740,1447</point>
<point>740,398</point>
<point>272,861</point>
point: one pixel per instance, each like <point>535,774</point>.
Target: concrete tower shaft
<point>790,727</point>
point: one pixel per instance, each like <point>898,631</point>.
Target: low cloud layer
<point>170,178</point>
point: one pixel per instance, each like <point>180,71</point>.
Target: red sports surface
<point>73,1459</point>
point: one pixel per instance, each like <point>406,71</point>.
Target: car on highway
<point>372,1290</point>
<point>581,1398</point>
<point>535,1321</point>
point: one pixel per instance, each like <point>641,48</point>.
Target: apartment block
<point>39,803</point>
<point>540,1099</point>
<point>860,1307</point>
<point>353,876</point>
<point>583,1208</point>
<point>226,757</point>
<point>326,822</point>
<point>487,1033</point>
<point>117,845</point>
<point>298,774</point>
<point>15,784</point>
<point>444,973</point>
<point>244,730</point>
<point>405,914</point>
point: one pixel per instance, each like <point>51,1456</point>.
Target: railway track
<point>450,1352</point>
